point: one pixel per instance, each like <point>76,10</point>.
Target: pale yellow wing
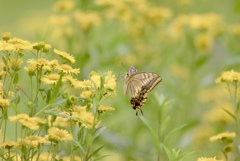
<point>135,82</point>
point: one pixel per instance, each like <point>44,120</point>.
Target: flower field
<point>62,76</point>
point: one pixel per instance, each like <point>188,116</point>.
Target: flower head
<point>50,79</point>
<point>208,159</point>
<point>110,81</point>
<point>96,79</point>
<point>32,141</point>
<point>56,134</point>
<point>102,109</point>
<point>4,103</point>
<point>224,137</point>
<point>65,56</point>
<point>9,145</point>
<point>228,77</point>
<point>67,69</point>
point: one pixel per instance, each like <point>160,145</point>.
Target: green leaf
<point>174,131</point>
<point>99,131</point>
<point>168,152</point>
<point>152,131</point>
<point>15,79</point>
<point>4,61</point>
<point>95,152</point>
<point>101,157</point>
<point>79,145</point>
<point>231,114</point>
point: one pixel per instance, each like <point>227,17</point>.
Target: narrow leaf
<point>95,152</point>
<point>15,79</point>
<point>231,114</point>
<point>174,131</point>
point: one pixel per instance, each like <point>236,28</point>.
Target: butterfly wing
<point>135,82</point>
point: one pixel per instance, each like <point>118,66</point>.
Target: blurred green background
<point>187,42</point>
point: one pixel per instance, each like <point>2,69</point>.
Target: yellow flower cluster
<point>224,137</point>
<point>228,77</point>
<point>208,159</point>
<point>32,123</point>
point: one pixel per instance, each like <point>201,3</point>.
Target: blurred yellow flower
<point>20,44</point>
<point>204,42</point>
<point>220,116</point>
<point>6,36</point>
<point>50,79</point>
<point>85,84</point>
<point>103,108</point>
<point>234,29</point>
<point>9,145</point>
<point>63,5</point>
<point>32,123</point>
<point>65,56</point>
<point>224,137</point>
<point>228,77</point>
<point>15,64</point>
<point>2,73</point>
<point>59,20</point>
<point>39,63</point>
<point>32,141</point>
<point>31,69</point>
<point>4,103</point>
<point>63,122</point>
<point>180,71</point>
<point>5,46</point>
<point>56,134</point>
<point>110,81</point>
<point>208,159</point>
<point>87,20</point>
<point>67,69</point>
<point>157,15</point>
<point>85,118</point>
<point>88,94</point>
<point>96,79</point>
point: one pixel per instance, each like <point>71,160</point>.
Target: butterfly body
<point>138,84</point>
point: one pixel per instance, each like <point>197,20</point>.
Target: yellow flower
<point>96,79</point>
<point>208,159</point>
<point>56,134</point>
<point>110,81</point>
<point>228,77</point>
<point>5,46</point>
<point>9,145</point>
<point>235,29</point>
<point>102,108</point>
<point>6,36</point>
<point>86,20</point>
<point>86,118</point>
<point>31,69</point>
<point>4,103</point>
<point>157,15</point>
<point>85,84</point>
<point>65,56</point>
<point>88,94</point>
<point>224,137</point>
<point>15,64</point>
<point>59,20</point>
<point>2,73</point>
<point>62,122</point>
<point>63,5</point>
<point>67,69</point>
<point>29,122</point>
<point>20,44</point>
<point>50,79</point>
<point>204,42</point>
<point>74,82</point>
<point>39,63</point>
<point>32,141</point>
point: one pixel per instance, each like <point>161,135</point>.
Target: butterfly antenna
<point>124,67</point>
